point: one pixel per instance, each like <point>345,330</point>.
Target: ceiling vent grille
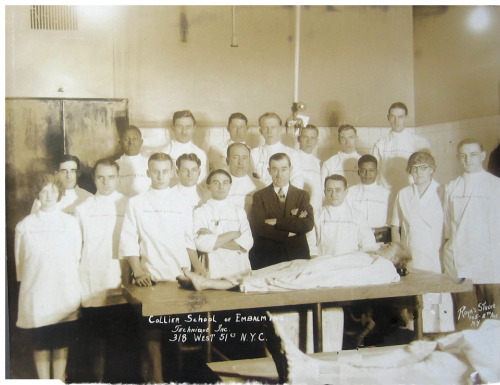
<point>54,17</point>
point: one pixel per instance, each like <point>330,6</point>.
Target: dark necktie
<point>281,197</point>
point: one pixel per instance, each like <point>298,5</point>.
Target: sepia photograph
<point>267,194</point>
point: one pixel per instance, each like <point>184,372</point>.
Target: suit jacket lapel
<point>275,202</point>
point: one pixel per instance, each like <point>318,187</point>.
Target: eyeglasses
<point>420,168</point>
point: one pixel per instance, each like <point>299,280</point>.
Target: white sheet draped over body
<point>421,223</point>
<point>352,269</point>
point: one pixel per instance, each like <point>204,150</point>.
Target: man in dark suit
<point>281,217</point>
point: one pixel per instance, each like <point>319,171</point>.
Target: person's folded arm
<point>300,220</point>
<point>258,225</point>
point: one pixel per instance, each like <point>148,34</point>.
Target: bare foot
<point>198,282</point>
<point>185,282</point>
<point>293,366</point>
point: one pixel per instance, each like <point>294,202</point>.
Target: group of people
<point>184,215</point>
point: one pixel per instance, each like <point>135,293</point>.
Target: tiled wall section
<point>443,138</point>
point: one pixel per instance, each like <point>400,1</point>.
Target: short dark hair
<point>183,114</point>
<point>398,105</point>
<point>270,115</point>
<point>469,141</point>
<point>346,127</point>
<point>367,158</point>
<point>68,158</point>
<point>42,179</point>
<point>336,177</point>
<point>159,156</point>
<point>228,152</point>
<point>106,162</point>
<point>218,171</point>
<point>191,156</point>
<point>130,128</point>
<point>279,156</point>
<point>310,127</point>
<point>236,115</point>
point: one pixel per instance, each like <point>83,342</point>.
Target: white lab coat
<point>101,218</point>
<point>133,175</point>
<point>194,196</point>
<point>421,223</point>
<point>47,252</point>
<point>69,200</point>
<point>343,229</point>
<point>372,200</point>
<point>342,164</point>
<point>175,149</point>
<point>221,216</point>
<point>242,190</point>
<point>472,223</point>
<point>154,228</point>
<point>260,159</point>
<point>311,169</point>
<point>392,152</point>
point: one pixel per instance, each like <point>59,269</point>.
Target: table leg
<point>318,327</point>
<point>419,321</point>
<point>208,346</point>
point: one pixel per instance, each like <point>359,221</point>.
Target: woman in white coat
<point>417,222</point>
<point>47,252</point>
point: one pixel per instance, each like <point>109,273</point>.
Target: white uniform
<point>343,229</point>
<point>133,175</point>
<point>260,159</point>
<point>195,195</point>
<point>101,218</point>
<point>220,217</point>
<point>342,164</point>
<point>242,190</point>
<point>421,223</point>
<point>69,200</point>
<point>392,152</point>
<point>372,200</point>
<point>472,223</point>
<point>175,149</point>
<point>48,249</point>
<point>154,228</point>
<point>217,155</point>
<point>311,169</point>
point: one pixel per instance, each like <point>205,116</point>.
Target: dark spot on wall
<point>429,10</point>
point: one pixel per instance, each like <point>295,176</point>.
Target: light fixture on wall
<point>295,123</point>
